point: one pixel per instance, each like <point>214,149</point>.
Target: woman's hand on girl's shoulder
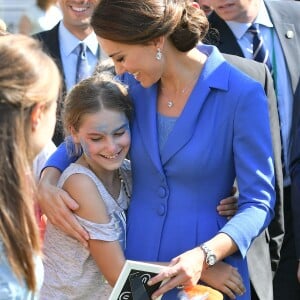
<point>57,205</point>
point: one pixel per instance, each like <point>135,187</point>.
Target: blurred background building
<point>11,11</point>
<point>29,16</point>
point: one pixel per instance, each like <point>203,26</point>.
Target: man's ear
<point>195,4</point>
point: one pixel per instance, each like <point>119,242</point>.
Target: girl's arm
<point>55,203</point>
<point>103,243</point>
<point>109,258</point>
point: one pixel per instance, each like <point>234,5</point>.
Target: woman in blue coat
<point>199,125</point>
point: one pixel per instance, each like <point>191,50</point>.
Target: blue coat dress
<point>223,133</point>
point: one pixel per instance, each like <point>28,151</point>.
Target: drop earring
<point>158,55</point>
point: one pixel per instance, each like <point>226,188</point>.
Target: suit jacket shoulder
<point>220,35</point>
<point>50,43</point>
<point>285,17</point>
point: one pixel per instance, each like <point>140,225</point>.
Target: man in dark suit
<point>62,41</point>
<point>295,194</point>
<point>279,23</point>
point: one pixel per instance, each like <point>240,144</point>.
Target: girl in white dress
<point>97,113</point>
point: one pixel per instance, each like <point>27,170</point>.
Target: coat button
<point>162,192</point>
<point>161,210</point>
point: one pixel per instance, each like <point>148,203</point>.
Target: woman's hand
<point>185,269</point>
<point>224,278</point>
<point>57,205</point>
<point>228,206</point>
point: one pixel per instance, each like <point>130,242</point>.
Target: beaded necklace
<point>123,184</point>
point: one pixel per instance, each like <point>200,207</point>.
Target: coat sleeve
<point>276,227</point>
<point>253,159</point>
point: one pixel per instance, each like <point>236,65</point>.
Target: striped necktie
<point>260,52</point>
<point>83,68</point>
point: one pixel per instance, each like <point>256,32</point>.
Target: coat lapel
<point>288,37</point>
<point>146,120</point>
<point>186,123</point>
<point>213,76</point>
<point>288,33</point>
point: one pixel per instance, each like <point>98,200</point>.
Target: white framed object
<point>132,282</point>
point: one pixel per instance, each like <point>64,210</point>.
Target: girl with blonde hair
<point>29,88</point>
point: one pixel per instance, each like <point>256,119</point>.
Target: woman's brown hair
<point>27,77</point>
<point>139,22</point>
<point>91,95</point>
